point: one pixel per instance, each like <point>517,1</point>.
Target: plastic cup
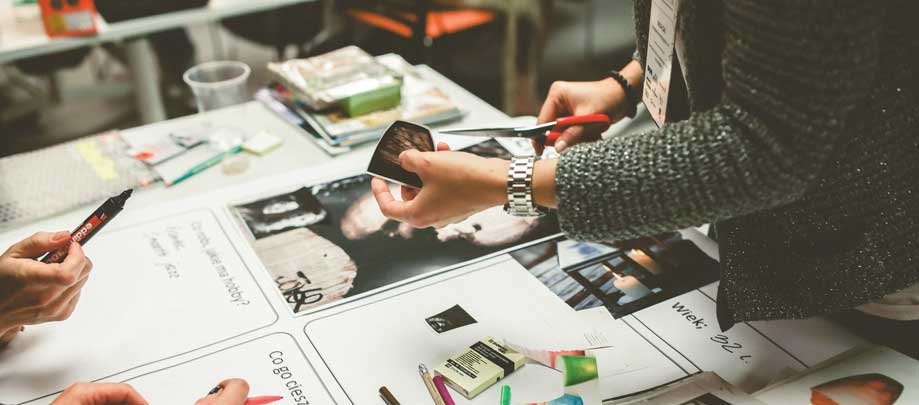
<point>218,84</point>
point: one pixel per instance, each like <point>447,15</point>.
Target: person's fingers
<point>412,160</point>
<point>442,147</point>
<point>409,193</point>
<point>64,273</point>
<point>234,392</point>
<point>552,108</point>
<point>538,146</point>
<point>105,393</point>
<point>38,244</point>
<point>570,136</point>
<point>9,335</point>
<point>388,205</point>
<point>59,308</point>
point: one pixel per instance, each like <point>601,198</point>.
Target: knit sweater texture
<point>802,147</point>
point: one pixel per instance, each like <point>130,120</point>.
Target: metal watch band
<point>520,188</point>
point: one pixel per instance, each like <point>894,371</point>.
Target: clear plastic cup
<point>218,84</point>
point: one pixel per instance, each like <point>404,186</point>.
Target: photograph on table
<point>329,241</point>
<point>624,276</point>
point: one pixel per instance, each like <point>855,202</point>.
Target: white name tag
<point>661,35</point>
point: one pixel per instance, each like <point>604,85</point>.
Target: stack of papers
<point>336,132</point>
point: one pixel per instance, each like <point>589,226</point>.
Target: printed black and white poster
<point>329,241</point>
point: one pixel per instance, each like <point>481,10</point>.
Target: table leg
<point>143,66</point>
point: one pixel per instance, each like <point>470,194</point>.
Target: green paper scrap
<point>579,369</point>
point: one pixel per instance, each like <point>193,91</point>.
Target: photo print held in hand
<point>399,137</point>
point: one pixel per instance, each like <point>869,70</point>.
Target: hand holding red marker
<point>91,225</point>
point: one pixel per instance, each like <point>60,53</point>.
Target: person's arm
<point>795,72</point>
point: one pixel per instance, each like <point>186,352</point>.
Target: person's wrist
<point>616,104</point>
<point>496,182</point>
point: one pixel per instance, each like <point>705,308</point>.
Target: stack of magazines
<point>327,122</point>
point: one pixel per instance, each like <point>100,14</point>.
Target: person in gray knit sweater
<point>798,138</point>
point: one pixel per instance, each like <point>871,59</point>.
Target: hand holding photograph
<point>399,137</point>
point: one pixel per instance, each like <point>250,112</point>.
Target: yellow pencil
<point>428,382</point>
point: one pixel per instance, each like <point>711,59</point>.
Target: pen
<point>387,396</point>
<point>263,400</point>
<point>91,225</point>
<point>442,389</point>
<point>426,377</point>
<point>204,165</point>
<point>505,395</point>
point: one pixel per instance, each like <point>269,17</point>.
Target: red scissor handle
<point>562,123</point>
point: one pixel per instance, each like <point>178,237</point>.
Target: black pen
<point>91,225</point>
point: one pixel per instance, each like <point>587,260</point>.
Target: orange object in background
<point>439,23</point>
<point>68,18</point>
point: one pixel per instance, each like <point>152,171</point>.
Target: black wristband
<point>630,96</point>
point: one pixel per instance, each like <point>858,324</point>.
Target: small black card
<point>452,318</point>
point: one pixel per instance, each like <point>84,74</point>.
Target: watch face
<point>399,137</point>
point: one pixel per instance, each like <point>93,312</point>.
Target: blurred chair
<point>422,22</point>
<point>290,25</point>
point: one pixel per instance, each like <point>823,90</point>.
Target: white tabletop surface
<point>22,34</point>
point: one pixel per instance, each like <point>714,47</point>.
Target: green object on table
<point>505,395</point>
<point>578,369</point>
<point>380,99</point>
<point>206,164</point>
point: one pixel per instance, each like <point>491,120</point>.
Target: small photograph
<point>452,318</point>
<point>624,277</point>
<point>399,137</point>
<point>330,241</point>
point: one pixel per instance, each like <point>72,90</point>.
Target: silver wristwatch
<point>520,201</point>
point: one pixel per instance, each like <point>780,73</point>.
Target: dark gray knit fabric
<point>802,147</point>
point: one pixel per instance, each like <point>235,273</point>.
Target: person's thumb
<point>39,244</point>
<point>570,136</point>
<point>234,392</point>
<point>412,160</point>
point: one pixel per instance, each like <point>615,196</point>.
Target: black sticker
<point>452,318</point>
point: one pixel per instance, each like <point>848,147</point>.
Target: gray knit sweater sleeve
<point>794,72</point>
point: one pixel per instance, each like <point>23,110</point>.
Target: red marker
<point>262,400</point>
<point>92,225</point>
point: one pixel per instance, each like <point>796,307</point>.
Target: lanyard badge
<point>659,66</point>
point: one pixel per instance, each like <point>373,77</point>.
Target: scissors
<point>549,131</point>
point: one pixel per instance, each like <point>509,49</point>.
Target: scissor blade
<point>485,132</point>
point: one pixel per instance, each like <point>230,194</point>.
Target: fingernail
<point>215,390</point>
<point>560,146</point>
<point>60,236</point>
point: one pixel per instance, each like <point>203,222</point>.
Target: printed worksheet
<point>158,289</point>
<point>271,365</point>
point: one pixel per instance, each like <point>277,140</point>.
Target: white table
<point>22,36</point>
